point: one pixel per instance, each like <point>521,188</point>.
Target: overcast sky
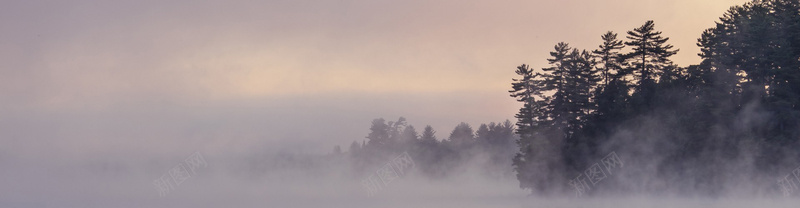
<point>82,78</point>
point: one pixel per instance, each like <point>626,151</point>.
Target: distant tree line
<point>734,115</point>
<point>491,147</point>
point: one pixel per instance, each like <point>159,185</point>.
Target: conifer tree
<point>650,55</point>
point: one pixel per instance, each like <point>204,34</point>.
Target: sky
<point>81,79</point>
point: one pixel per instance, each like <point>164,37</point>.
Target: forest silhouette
<point>728,122</point>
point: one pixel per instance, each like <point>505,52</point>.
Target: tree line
<point>729,120</point>
<point>732,116</point>
<point>490,147</point>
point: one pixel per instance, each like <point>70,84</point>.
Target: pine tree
<point>610,100</point>
<point>610,60</point>
<point>649,60</point>
<point>526,90</point>
<point>462,136</point>
<point>581,80</point>
<point>612,95</point>
<point>408,138</point>
<point>378,136</point>
<point>556,117</point>
<point>395,129</point>
<point>430,153</point>
<point>650,55</point>
<point>571,78</point>
<point>555,81</point>
<point>527,163</point>
<point>483,135</point>
<point>409,134</point>
<point>428,136</point>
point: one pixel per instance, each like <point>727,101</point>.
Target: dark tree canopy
<point>739,107</point>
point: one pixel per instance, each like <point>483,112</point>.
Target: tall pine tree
<point>650,55</point>
<point>528,163</point>
<point>610,60</point>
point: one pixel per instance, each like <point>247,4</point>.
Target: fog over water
<point>106,184</point>
<point>260,103</point>
<point>110,183</point>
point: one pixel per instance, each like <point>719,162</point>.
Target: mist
<point>400,103</point>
